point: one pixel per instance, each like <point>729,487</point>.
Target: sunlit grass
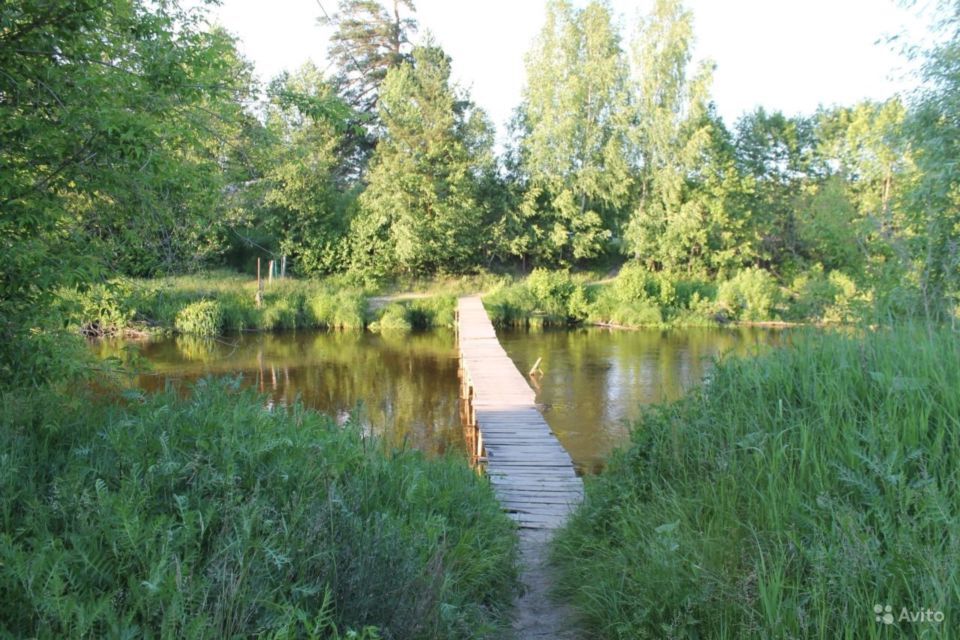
<point>786,499</point>
<point>214,517</point>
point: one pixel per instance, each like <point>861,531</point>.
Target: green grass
<point>785,499</point>
<point>220,302</point>
<point>212,517</point>
<point>183,304</point>
<point>635,298</point>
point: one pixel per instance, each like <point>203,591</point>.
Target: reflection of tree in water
<point>594,386</point>
<point>402,386</point>
<point>597,381</point>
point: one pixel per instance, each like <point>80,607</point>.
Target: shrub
<point>551,290</point>
<point>393,317</point>
<point>544,298</point>
<point>240,312</point>
<point>281,312</point>
<point>432,312</point>
<point>812,293</point>
<point>834,298</point>
<point>100,310</point>
<point>848,303</point>
<point>783,500</point>
<point>752,295</point>
<point>343,309</point>
<point>636,298</point>
<point>510,305</point>
<point>201,318</point>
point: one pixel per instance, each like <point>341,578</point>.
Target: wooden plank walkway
<point>531,472</point>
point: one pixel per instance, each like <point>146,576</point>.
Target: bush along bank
<point>222,302</point>
<point>785,499</point>
<point>209,516</point>
<point>637,297</point>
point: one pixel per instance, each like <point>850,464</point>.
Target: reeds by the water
<point>787,499</point>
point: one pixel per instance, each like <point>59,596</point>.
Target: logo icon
<point>884,613</point>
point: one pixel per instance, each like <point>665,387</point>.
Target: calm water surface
<point>595,381</point>
<point>404,387</point>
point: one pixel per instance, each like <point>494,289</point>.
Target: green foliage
<point>553,291</point>
<point>831,298</point>
<point>419,313</point>
<point>510,305</point>
<point>367,42</point>
<point>161,304</point>
<point>639,297</point>
<point>211,516</point>
<point>572,123</point>
<point>610,308</point>
<point>432,312</point>
<point>545,298</point>
<point>421,211</point>
<point>343,309</point>
<point>308,211</point>
<point>280,312</point>
<point>201,318</point>
<point>393,317</point>
<point>933,207</point>
<point>786,499</point>
<point>114,152</point>
<point>671,221</point>
<point>104,308</point>
<point>752,294</point>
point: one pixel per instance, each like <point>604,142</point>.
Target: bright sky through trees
<point>778,54</point>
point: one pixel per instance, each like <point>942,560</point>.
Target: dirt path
<point>537,616</point>
<point>376,302</point>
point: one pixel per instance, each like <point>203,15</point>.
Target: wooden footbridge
<point>531,472</point>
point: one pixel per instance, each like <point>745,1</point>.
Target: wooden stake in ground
<point>535,369</point>
<point>258,298</point>
<point>270,272</point>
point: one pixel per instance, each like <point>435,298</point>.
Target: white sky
<point>779,54</point>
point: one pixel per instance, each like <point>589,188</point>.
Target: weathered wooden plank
<point>528,468</point>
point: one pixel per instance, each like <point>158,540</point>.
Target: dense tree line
<point>616,154</point>
<point>134,140</point>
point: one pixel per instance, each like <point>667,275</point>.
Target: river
<point>403,387</point>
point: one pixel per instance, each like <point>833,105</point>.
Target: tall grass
<point>184,304</point>
<point>786,499</point>
<point>212,517</point>
<point>636,297</point>
<point>420,313</point>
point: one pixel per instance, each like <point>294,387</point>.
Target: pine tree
<point>421,211</point>
<point>368,40</point>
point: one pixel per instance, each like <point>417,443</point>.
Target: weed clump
<point>343,309</point>
<point>201,318</point>
<point>393,317</point>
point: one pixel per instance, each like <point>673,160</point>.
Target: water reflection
<point>595,381</point>
<point>402,387</point>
